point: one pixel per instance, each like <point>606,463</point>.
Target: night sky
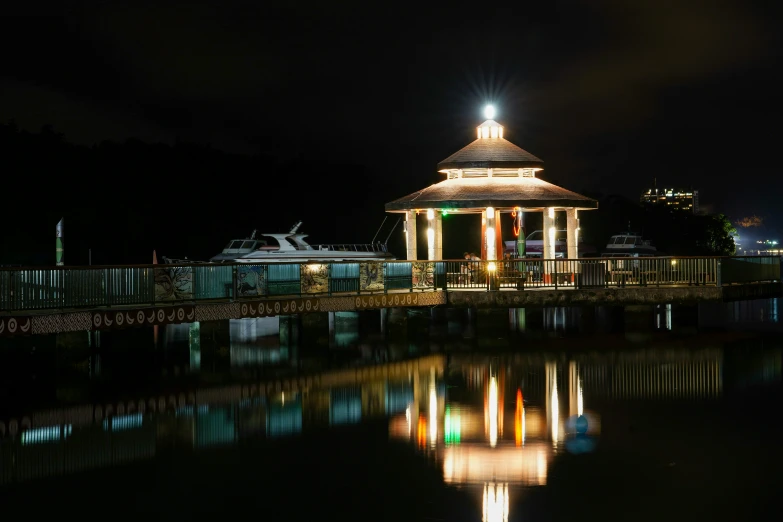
<point>610,94</point>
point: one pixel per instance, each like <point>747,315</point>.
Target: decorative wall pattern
<point>15,325</point>
<point>173,283</point>
<point>217,312</point>
<point>385,301</point>
<point>423,275</point>
<point>336,304</point>
<point>370,277</point>
<point>56,323</point>
<point>279,307</point>
<point>111,319</point>
<point>251,281</point>
<point>315,278</point>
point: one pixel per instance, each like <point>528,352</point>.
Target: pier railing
<point>89,287</point>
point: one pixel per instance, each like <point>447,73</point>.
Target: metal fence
<point>85,287</point>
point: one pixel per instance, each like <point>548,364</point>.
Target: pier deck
<point>56,299</point>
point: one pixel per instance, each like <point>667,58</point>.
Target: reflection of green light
<point>452,427</point>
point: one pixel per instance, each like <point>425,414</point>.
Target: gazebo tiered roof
<point>500,192</point>
<point>491,172</point>
<point>487,153</point>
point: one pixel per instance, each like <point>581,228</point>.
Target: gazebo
<point>491,176</point>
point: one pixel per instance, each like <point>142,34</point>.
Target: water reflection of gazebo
<point>491,176</point>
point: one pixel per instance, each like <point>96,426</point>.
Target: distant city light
<point>489,111</point>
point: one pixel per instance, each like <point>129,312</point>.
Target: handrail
<point>54,288</point>
<point>191,262</point>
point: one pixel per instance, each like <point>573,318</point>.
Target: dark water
<point>546,415</point>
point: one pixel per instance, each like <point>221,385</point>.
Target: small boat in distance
<point>629,245</point>
<point>292,248</point>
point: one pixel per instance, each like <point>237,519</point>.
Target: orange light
<point>421,431</point>
<point>518,419</point>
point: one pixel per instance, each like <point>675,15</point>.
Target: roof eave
<point>399,206</point>
<point>533,164</point>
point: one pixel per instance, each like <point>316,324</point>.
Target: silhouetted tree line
<point>672,232</point>
<point>122,200</point>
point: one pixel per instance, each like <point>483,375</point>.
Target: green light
<point>452,427</point>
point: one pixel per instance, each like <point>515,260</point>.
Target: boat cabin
<point>627,241</point>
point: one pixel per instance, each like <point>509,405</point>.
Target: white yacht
<point>625,245</point>
<point>292,248</point>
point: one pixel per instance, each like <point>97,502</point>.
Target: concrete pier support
<point>685,318</point>
<point>343,329</point>
<point>397,323</point>
<point>418,323</point>
<point>639,322</point>
<point>289,330</point>
<point>384,320</point>
<point>491,327</point>
<point>194,346</point>
<point>517,318</point>
<point>314,329</point>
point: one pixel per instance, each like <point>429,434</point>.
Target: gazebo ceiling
<point>491,153</point>
<point>497,192</point>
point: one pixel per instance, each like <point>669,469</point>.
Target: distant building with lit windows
<point>675,199</point>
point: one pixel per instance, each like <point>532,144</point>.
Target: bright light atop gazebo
<point>489,112</point>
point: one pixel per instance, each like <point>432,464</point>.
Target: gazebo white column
<point>572,233</point>
<point>410,235</point>
<point>489,238</point>
<point>549,242</point>
<point>434,235</point>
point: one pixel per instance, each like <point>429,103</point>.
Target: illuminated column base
<point>411,252</point>
<point>434,235</point>
<point>572,238</point>
<point>548,252</point>
<point>490,239</point>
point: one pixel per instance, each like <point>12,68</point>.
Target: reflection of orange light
<point>518,419</point>
<point>421,431</point>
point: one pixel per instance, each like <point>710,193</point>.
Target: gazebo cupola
<point>491,176</point>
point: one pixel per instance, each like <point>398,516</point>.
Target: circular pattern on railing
<point>277,307</point>
<point>244,309</point>
<point>161,316</point>
<point>180,314</point>
<point>139,316</point>
<point>12,325</point>
<point>308,305</point>
<point>119,318</point>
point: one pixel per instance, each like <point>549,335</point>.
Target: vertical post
<point>501,247</point>
<point>572,233</point>
<point>572,242</point>
<point>410,235</point>
<point>434,234</point>
<point>59,248</point>
<point>548,252</point>
<point>483,242</point>
<point>489,237</point>
<point>438,234</point>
